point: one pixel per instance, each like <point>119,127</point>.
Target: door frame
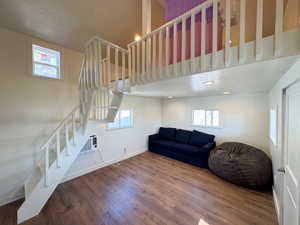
<point>284,119</point>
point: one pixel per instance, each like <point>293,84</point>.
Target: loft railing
<point>103,73</point>
<point>174,48</point>
<point>103,63</point>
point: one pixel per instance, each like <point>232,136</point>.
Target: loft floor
<point>150,189</point>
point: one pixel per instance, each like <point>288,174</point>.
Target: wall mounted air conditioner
<point>91,145</point>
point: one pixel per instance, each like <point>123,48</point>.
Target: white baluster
<point>160,53</point>
<point>167,50</point>
<point>129,65</point>
<point>227,33</point>
<point>74,128</point>
<point>175,33</point>
<point>138,64</point>
<point>123,69</point>
<point>154,71</point>
<point>278,27</point>
<point>108,65</point>
<point>95,62</point>
<point>67,137</point>
<point>99,62</point>
<point>242,31</point>
<point>183,45</point>
<point>116,66</point>
<point>193,67</point>
<point>87,69</point>
<point>47,166</point>
<point>58,160</point>
<point>143,59</point>
<point>148,58</point>
<point>203,39</point>
<point>133,68</point>
<point>259,29</point>
<point>215,34</point>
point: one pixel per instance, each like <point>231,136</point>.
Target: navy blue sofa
<point>188,146</point>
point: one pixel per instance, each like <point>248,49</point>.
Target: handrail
<point>106,43</point>
<point>61,124</point>
<point>179,18</point>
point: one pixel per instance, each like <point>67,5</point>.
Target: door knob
<point>281,170</point>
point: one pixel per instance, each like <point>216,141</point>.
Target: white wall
<point>31,107</point>
<point>244,118</point>
<point>146,119</point>
<point>275,99</point>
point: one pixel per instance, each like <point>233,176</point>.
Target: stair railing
<point>60,140</point>
<point>104,71</point>
<point>156,55</point>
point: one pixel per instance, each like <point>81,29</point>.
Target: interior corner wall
<point>243,118</point>
<point>276,102</point>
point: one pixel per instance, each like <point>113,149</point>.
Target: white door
<point>291,207</point>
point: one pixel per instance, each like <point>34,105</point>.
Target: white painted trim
<point>277,206</point>
<point>5,201</point>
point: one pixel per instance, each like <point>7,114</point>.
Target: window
<point>273,126</point>
<point>206,118</point>
<point>45,62</point>
<point>124,119</point>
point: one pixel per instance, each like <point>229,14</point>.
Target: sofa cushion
<point>167,133</point>
<point>183,136</point>
<point>180,148</point>
<point>199,139</point>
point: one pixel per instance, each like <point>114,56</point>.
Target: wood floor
<point>150,189</point>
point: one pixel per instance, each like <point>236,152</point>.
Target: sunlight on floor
<point>202,222</point>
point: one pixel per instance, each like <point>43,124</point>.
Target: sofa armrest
<point>153,137</point>
<point>209,146</point>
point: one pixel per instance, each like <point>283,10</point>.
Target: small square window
<point>45,62</point>
<point>206,118</point>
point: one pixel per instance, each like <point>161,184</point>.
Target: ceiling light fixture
<point>208,83</point>
<point>137,37</point>
<point>226,93</point>
<point>170,97</point>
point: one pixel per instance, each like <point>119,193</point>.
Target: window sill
<point>207,127</point>
<point>45,77</point>
<point>121,128</point>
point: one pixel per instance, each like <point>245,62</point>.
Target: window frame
<point>33,62</point>
<point>119,127</point>
<point>205,126</point>
<point>273,126</point>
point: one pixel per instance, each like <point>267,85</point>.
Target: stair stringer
<point>39,195</point>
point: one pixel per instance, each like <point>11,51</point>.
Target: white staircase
<point>100,97</point>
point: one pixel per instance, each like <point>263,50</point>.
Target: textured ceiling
<point>71,23</point>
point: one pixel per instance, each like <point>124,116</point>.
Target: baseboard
<point>8,200</point>
<point>277,207</point>
<point>21,195</point>
<point>104,164</point>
